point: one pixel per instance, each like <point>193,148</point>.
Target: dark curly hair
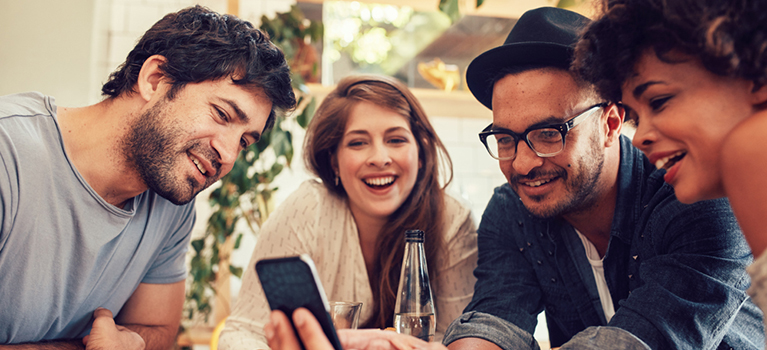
<point>202,45</point>
<point>729,37</point>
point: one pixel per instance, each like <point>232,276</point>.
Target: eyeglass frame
<point>563,128</point>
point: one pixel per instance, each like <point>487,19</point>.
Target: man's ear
<point>613,125</point>
<point>150,77</point>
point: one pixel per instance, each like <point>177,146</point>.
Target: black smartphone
<point>292,282</point>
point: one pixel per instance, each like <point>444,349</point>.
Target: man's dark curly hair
<point>728,36</point>
<point>202,45</point>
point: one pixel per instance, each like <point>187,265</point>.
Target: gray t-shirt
<point>64,251</point>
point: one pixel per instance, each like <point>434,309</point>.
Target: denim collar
<point>631,182</point>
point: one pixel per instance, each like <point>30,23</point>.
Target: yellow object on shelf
<point>441,75</point>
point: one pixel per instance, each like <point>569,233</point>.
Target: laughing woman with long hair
<point>382,170</point>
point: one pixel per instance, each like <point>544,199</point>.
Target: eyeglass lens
<point>543,141</point>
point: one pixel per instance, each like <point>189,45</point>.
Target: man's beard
<point>581,191</point>
<point>152,147</point>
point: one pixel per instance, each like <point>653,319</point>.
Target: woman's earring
<point>336,180</point>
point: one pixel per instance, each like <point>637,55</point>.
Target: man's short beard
<point>582,191</point>
<point>152,148</point>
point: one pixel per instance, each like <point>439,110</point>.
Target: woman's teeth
<point>667,162</point>
<point>379,181</point>
<point>199,166</point>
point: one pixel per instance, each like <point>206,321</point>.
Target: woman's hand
<point>280,336</point>
<point>374,339</point>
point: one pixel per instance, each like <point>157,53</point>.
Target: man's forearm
<point>153,313</point>
<point>155,337</point>
<point>605,337</point>
<point>476,330</point>
<point>75,344</point>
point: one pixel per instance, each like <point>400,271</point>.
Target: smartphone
<point>292,282</point>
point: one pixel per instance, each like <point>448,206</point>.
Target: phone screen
<point>292,282</point>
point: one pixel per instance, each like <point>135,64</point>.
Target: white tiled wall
<point>475,173</point>
<point>129,19</point>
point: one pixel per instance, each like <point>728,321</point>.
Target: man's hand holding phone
<point>280,336</point>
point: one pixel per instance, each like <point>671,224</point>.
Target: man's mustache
<point>539,174</point>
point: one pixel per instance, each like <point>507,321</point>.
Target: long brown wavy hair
<point>423,209</point>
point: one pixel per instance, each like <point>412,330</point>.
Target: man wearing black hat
<point>586,229</point>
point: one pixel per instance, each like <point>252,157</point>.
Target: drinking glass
<point>345,314</point>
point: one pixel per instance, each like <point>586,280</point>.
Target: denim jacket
<point>676,273</point>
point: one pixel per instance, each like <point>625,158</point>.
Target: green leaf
<point>288,153</point>
<point>566,3</point>
<point>237,242</point>
<point>277,168</point>
<point>281,142</point>
<point>451,9</point>
<point>307,114</point>
<point>215,193</point>
<point>213,257</point>
<point>480,2</point>
<point>237,271</point>
<point>316,30</point>
<point>198,245</point>
<point>263,143</point>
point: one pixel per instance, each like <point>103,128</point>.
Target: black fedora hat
<point>542,37</point>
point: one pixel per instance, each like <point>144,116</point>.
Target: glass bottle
<point>414,311</point>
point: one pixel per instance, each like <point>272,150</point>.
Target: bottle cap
<point>414,236</point>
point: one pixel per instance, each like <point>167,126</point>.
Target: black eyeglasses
<point>545,141</point>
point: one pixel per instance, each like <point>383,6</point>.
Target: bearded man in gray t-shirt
<point>96,203</point>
